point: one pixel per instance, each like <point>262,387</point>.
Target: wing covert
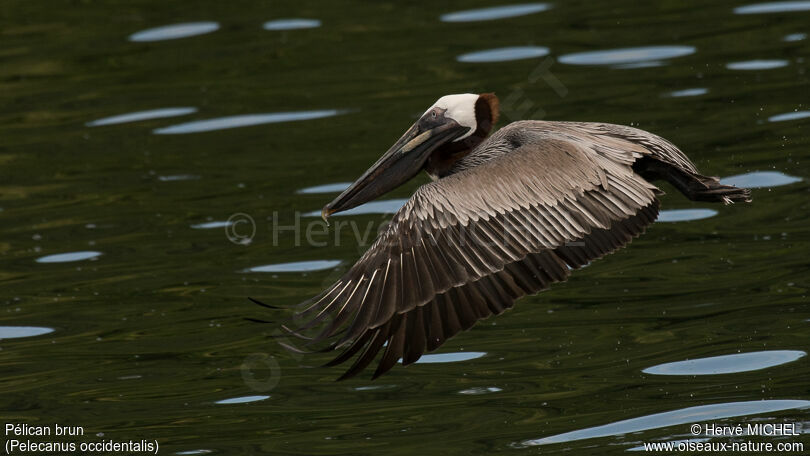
<point>466,246</point>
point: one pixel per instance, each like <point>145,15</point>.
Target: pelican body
<point>506,215</point>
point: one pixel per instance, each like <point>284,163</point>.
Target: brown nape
<point>486,116</point>
<point>487,110</point>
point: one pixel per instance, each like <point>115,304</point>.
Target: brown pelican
<point>505,216</point>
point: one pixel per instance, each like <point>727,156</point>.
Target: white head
<point>445,133</point>
<point>461,108</point>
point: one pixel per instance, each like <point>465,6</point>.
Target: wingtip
<point>381,369</point>
<point>743,196</point>
<point>257,302</point>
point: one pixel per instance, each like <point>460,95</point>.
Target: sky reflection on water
<point>244,120</point>
<point>174,31</point>
<point>291,24</point>
<point>697,414</point>
<point>495,12</point>
<point>69,257</point>
<point>626,55</point>
<point>16,332</point>
<point>685,215</point>
<point>504,54</point>
<point>727,364</point>
<point>298,266</point>
<point>774,7</point>
<point>749,65</point>
<point>142,115</point>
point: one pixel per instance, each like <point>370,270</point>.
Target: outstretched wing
<point>466,246</point>
<point>625,144</point>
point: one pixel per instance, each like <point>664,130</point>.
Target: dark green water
<point>148,335</point>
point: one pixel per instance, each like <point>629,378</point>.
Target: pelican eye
<point>431,119</point>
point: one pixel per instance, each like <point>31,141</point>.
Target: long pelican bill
<point>506,215</point>
<point>398,165</point>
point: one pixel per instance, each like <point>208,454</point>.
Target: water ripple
<point>14,332</point>
<point>773,7</point>
<point>178,177</point>
<point>684,215</point>
<point>727,364</point>
<point>700,413</point>
<point>760,179</point>
<point>242,399</point>
<point>631,66</point>
<point>298,266</point>
<point>373,207</point>
<point>450,357</point>
<point>245,120</point>
<point>795,115</point>
<point>212,225</point>
<point>142,115</point>
<point>504,54</point>
<point>749,65</point>
<point>68,257</point>
<point>374,387</point>
<point>689,92</point>
<point>174,31</point>
<point>478,390</point>
<point>794,37</point>
<point>626,55</point>
<point>291,24</point>
<point>326,188</point>
<point>496,12</point>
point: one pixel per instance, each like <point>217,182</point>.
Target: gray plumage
<point>520,211</point>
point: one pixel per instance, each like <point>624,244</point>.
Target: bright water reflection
<point>450,357</point>
<point>212,225</point>
<point>298,266</point>
<point>246,120</point>
<point>749,65</point>
<point>178,177</point>
<point>495,12</point>
<point>760,179</point>
<point>326,188</point>
<point>626,55</point>
<point>795,37</point>
<point>241,400</point>
<point>291,24</point>
<point>698,414</point>
<point>688,92</point>
<point>774,7</point>
<point>504,54</point>
<point>373,207</point>
<point>15,332</point>
<point>175,31</point>
<point>69,257</point>
<point>479,390</point>
<point>142,115</point>
<point>727,364</point>
<point>795,115</point>
<point>684,215</point>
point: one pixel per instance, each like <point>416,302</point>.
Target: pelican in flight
<point>505,216</point>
